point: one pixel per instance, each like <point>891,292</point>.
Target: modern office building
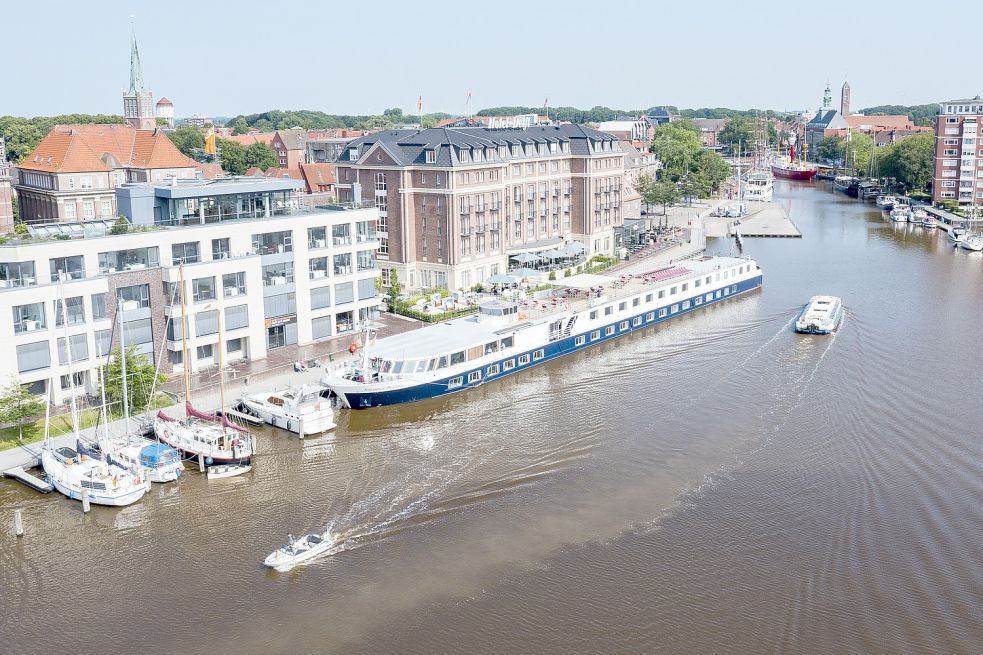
<point>455,203</point>
<point>959,152</point>
<point>279,274</point>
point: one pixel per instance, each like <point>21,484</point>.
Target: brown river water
<point>718,484</point>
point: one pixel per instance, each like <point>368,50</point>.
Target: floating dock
<point>21,475</point>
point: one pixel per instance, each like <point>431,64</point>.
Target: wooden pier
<point>20,474</point>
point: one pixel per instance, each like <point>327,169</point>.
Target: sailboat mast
<point>68,354</point>
<point>221,366</point>
<point>102,390</point>
<point>122,362</point>
<point>184,340</point>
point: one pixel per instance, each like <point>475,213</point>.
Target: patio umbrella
<point>526,258</point>
<point>526,272</point>
<point>553,254</point>
<point>576,246</point>
<point>502,279</point>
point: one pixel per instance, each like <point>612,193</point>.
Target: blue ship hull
<point>551,351</point>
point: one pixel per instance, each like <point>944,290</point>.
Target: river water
<point>715,485</point>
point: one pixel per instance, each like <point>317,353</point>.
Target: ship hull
<point>355,398</point>
<point>804,175</point>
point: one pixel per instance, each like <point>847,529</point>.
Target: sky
<point>217,58</point>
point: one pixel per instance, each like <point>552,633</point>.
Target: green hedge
<point>405,309</point>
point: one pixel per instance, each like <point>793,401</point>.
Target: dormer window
<point>477,155</point>
<point>353,154</point>
<point>431,156</point>
<point>464,154</point>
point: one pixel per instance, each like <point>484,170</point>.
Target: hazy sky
<point>359,57</point>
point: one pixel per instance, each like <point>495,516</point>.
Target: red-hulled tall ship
<point>792,169</point>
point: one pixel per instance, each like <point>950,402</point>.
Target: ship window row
<point>411,366</point>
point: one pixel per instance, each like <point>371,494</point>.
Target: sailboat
<point>214,439</point>
<point>76,474</point>
<point>155,460</point>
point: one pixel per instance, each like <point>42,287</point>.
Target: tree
<point>428,122</point>
<point>861,147</point>
<point>910,161</point>
<point>141,377</point>
<point>261,155</point>
<point>676,145</point>
<point>392,296</point>
<point>709,170</point>
<point>188,139</point>
<point>233,156</point>
<point>829,149</point>
<point>662,192</point>
<point>121,226</point>
<point>20,229</point>
<point>240,126</point>
<point>18,404</point>
<point>737,135</point>
<point>16,208</point>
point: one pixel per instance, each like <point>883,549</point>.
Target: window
<point>698,300</point>
<point>593,314</point>
<point>98,306</point>
<point>206,323</point>
<point>672,290</point>
<point>74,309</point>
<point>662,293</point>
<point>29,318</point>
<point>71,268</point>
<point>674,309</point>
<point>79,380</point>
<point>106,208</point>
<point>366,288</point>
<point>316,237</point>
<point>270,243</point>
<point>508,364</point>
<point>623,326</point>
<point>234,284</point>
<point>204,352</point>
<point>650,316</point>
<point>635,302</point>
<point>636,321</point>
<point>538,355</point>
<point>70,210</point>
<point>686,305</point>
<point>454,383</point>
<point>344,293</point>
<point>579,341</point>
<point>595,335</point>
<point>609,330</point>
<point>283,304</point>
<point>507,342</point>
<point>622,306</point>
<point>184,253</point>
<point>220,249</point>
<point>236,317</point>
<point>33,356</point>
<point>203,289</point>
<point>608,310</point>
<point>523,360</point>
<point>233,345</point>
<point>80,348</point>
<point>431,156</point>
<point>663,313</point>
<point>491,370</point>
<point>276,274</point>
<point>134,297</point>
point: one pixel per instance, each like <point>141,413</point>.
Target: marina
<point>471,521</point>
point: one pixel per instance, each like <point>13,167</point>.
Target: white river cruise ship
<point>508,336</point>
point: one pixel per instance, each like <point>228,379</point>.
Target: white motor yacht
<point>972,242</point>
<point>821,315</point>
<point>297,409</point>
<point>158,462</point>
<point>900,214</point>
<point>298,551</point>
<point>759,185</point>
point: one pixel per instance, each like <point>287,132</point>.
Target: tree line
<point>22,135</point>
<point>234,157</point>
<point>277,119</point>
<point>909,161</point>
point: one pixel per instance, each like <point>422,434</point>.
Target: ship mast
<point>184,340</point>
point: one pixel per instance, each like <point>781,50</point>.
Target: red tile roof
<point>211,170</point>
<point>318,177</point>
<point>292,173</point>
<point>879,122</point>
<point>93,148</point>
<point>251,138</point>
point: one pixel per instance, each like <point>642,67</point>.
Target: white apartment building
<point>279,275</point>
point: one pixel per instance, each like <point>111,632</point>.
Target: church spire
<point>136,73</point>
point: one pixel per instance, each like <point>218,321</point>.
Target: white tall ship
<point>506,337</point>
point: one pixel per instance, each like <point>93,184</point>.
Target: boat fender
<point>209,461</point>
<point>522,316</point>
<point>138,481</point>
<point>82,458</point>
<point>353,348</point>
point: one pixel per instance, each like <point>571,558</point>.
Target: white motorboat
<point>228,470</point>
<point>900,214</point>
<point>972,242</point>
<point>886,201</point>
<point>956,235</point>
<point>297,409</point>
<point>918,215</point>
<point>930,222</point>
<point>821,315</point>
<point>298,551</point>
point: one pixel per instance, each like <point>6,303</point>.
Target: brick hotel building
<point>959,152</point>
<point>456,202</point>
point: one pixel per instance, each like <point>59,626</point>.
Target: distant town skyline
<point>224,59</point>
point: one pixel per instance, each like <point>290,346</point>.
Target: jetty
<point>20,474</point>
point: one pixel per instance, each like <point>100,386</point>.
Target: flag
<point>210,141</point>
<point>419,105</point>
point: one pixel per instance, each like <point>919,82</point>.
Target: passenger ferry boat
<point>506,337</point>
<point>759,185</point>
<point>822,315</point>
